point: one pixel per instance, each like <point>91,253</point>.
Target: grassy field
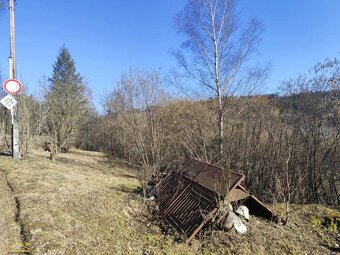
<point>84,203</point>
<point>9,229</point>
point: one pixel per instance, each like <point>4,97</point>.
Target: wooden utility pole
<point>12,75</point>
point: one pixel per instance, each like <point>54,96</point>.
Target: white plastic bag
<point>244,211</point>
<point>233,220</point>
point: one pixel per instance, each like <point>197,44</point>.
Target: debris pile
<point>198,193</point>
<point>226,218</point>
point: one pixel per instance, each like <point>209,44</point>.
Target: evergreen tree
<point>67,103</point>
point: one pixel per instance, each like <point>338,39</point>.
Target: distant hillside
<point>309,102</point>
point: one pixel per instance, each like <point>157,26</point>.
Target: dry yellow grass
<point>9,229</point>
<point>84,203</point>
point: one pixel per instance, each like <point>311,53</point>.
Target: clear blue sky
<point>107,37</point>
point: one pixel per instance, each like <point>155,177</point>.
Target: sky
<point>107,37</point>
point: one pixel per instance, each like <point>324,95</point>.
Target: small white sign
<point>9,102</point>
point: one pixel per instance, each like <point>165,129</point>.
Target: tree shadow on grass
<point>333,249</point>
<point>86,153</point>
<point>5,154</point>
<point>73,162</point>
<point>115,162</point>
<point>107,166</point>
<point>126,189</point>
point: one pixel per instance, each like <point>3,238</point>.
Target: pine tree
<point>64,70</point>
<point>67,102</point>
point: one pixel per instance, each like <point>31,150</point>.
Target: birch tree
<point>215,51</point>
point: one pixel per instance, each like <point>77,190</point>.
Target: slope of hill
<point>84,203</point>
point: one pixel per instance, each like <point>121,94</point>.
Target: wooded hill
<point>286,145</point>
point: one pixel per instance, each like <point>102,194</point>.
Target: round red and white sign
<point>12,86</point>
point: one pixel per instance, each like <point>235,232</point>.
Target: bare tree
<point>32,117</point>
<point>314,112</point>
<point>218,51</point>
<point>133,108</point>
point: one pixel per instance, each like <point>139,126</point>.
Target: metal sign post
<point>12,75</point>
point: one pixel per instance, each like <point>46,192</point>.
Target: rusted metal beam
<point>210,215</point>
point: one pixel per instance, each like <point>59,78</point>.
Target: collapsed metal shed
<point>188,196</point>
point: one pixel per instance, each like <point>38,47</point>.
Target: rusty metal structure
<point>189,196</point>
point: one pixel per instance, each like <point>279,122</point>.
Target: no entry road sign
<point>12,86</point>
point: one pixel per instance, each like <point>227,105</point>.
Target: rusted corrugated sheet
<point>237,194</point>
<point>211,177</point>
<point>184,205</point>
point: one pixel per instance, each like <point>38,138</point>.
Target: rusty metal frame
<point>187,201</point>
